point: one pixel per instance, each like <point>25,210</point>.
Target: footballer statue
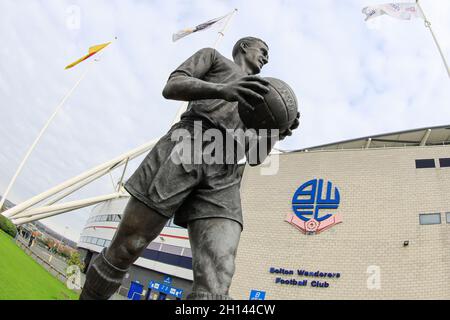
<point>204,198</point>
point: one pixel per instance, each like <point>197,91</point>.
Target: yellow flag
<point>92,50</point>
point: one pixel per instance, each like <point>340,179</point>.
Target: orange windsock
<point>92,50</point>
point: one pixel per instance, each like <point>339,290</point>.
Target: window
<point>425,163</point>
<point>430,218</point>
<point>444,162</point>
<point>101,242</point>
<point>107,243</point>
<point>447,215</point>
<point>171,249</point>
<point>167,258</point>
<point>154,246</point>
<point>187,252</point>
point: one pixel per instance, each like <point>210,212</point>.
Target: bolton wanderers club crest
<point>312,211</point>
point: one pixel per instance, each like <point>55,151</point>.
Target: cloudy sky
<point>353,78</point>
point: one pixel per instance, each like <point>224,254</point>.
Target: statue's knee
<point>136,244</point>
<point>129,250</point>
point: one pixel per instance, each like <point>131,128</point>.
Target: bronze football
<point>278,110</point>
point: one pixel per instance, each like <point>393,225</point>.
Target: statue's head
<point>251,53</point>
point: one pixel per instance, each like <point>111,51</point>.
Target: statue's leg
<point>139,226</point>
<point>214,243</point>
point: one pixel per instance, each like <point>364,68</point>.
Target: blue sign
<point>135,291</point>
<point>257,295</point>
<point>167,280</point>
<point>308,201</point>
<point>164,288</point>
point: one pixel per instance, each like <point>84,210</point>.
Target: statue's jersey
<point>209,65</point>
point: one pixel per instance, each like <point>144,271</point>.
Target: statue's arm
<point>187,88</point>
<point>187,83</point>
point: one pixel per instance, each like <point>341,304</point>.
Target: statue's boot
<point>201,295</point>
<point>102,279</point>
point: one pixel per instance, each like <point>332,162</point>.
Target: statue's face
<point>256,55</point>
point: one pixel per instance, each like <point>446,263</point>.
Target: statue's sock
<point>102,279</point>
<point>201,295</point>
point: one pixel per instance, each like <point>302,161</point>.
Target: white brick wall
<point>382,195</point>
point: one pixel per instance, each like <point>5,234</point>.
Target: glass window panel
<point>154,246</point>
<point>171,249</point>
<point>444,162</point>
<point>425,163</point>
<point>187,252</point>
<point>430,218</point>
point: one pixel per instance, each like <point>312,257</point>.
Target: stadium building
<point>367,218</point>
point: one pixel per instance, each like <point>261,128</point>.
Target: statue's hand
<point>294,125</point>
<point>247,91</point>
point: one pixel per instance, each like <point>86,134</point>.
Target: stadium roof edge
<point>437,135</point>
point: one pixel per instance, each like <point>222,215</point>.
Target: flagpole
<point>428,25</point>
<point>221,34</point>
<point>30,150</point>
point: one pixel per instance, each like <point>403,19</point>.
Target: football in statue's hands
<point>278,111</point>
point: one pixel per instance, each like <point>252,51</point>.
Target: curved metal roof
<point>428,136</point>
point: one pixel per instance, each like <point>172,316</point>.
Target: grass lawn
<point>22,278</point>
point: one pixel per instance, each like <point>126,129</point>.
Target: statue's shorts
<point>187,190</point>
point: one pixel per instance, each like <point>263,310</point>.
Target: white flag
<point>183,33</point>
<point>404,11</point>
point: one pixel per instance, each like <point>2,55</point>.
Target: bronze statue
<point>202,197</point>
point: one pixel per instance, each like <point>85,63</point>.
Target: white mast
<point>41,133</point>
<point>428,25</point>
